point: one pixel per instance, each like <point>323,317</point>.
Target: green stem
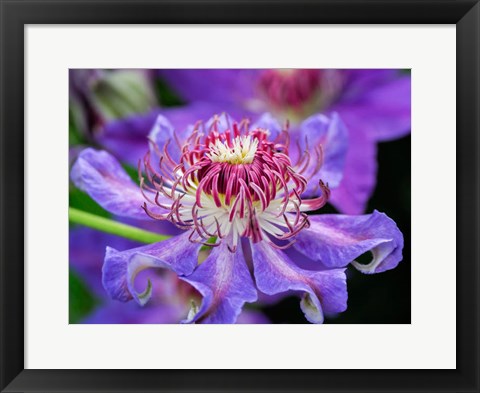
<point>115,228</point>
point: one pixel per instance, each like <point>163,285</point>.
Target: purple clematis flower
<point>374,104</point>
<point>238,185</point>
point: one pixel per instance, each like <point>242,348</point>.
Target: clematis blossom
<point>237,188</point>
<point>375,105</point>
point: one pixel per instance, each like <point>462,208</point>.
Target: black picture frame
<point>15,14</point>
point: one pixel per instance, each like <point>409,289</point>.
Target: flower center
<point>290,88</point>
<point>242,150</point>
<point>298,93</point>
<point>232,184</point>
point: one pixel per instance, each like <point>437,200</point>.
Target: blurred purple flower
<point>374,104</point>
<point>237,184</point>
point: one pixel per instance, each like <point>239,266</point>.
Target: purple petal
<point>225,283</point>
<point>324,291</point>
<point>215,85</point>
<point>165,138</point>
<point>164,133</point>
<point>163,227</point>
<point>303,261</point>
<point>336,240</point>
<point>127,138</point>
<point>332,136</point>
<point>268,122</point>
<point>358,81</point>
<point>118,313</point>
<point>221,121</point>
<point>87,248</point>
<point>184,118</point>
<point>120,268</point>
<point>87,252</point>
<point>103,178</point>
<point>359,177</point>
<point>252,317</point>
<point>382,113</point>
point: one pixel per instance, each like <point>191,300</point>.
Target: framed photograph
<point>203,196</point>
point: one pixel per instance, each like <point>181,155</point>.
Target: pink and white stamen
<point>231,184</point>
